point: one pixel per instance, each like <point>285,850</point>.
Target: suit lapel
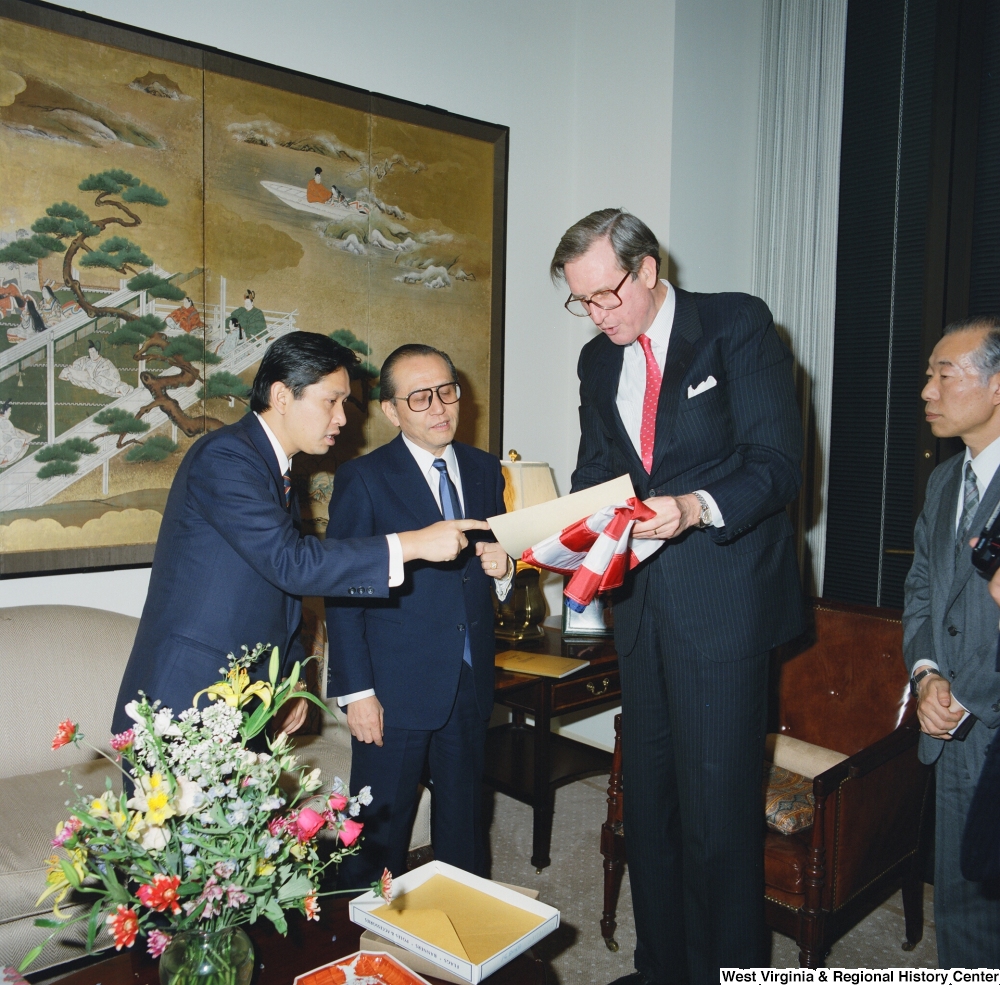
<point>473,488</point>
<point>253,430</point>
<point>408,486</point>
<point>684,334</point>
<point>963,567</point>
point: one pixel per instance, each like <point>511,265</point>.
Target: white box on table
<point>361,908</point>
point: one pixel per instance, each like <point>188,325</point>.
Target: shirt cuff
<point>921,664</point>
<point>717,520</point>
<point>358,695</point>
<point>502,585</point>
<point>396,571</point>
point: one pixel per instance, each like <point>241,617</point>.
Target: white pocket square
<point>693,391</point>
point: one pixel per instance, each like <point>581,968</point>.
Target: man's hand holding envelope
<point>587,535</point>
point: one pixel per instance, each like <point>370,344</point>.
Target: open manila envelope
<point>458,919</point>
<point>518,531</point>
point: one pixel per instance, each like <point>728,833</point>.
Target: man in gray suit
<point>950,625</point>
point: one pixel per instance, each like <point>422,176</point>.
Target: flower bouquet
<point>214,835</point>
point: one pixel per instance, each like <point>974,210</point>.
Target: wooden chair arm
<point>870,758</point>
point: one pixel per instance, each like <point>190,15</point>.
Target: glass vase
<point>220,957</point>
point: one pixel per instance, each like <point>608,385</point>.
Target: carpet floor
<point>576,953</point>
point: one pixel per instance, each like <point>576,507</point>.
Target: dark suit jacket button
<point>996,707</point>
<point>352,591</point>
<point>461,627</point>
<point>951,674</point>
<point>952,631</point>
<point>371,591</point>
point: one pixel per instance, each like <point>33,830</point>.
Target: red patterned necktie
<point>287,477</point>
<point>654,377</point>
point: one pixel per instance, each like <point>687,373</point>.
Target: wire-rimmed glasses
<point>420,400</point>
<point>605,300</point>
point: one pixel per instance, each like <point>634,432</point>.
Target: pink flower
<point>161,893</point>
<point>235,896</point>
<point>66,831</point>
<point>276,825</point>
<point>64,735</point>
<point>383,887</point>
<point>311,907</point>
<point>156,942</point>
<point>124,924</point>
<point>308,823</point>
<point>349,832</point>
<point>123,741</point>
<point>337,801</point>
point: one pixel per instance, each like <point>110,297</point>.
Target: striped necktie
<point>287,476</point>
<point>970,503</point>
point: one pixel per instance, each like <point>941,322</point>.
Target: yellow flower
<point>152,798</point>
<point>55,878</point>
<point>101,806</point>
<point>236,690</point>
<point>264,868</point>
<point>299,851</point>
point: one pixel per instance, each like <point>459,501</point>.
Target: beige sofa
<point>59,662</point>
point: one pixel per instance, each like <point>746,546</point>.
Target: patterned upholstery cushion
<point>788,800</point>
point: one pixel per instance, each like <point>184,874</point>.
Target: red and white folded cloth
<point>596,551</point>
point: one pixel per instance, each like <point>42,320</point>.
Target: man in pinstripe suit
<point>692,395</point>
<point>950,626</point>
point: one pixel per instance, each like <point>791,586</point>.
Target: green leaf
<point>70,873</point>
<point>95,912</point>
<point>49,924</point>
<point>298,887</point>
<point>276,915</point>
<point>32,954</point>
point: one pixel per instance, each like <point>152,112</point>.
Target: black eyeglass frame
<point>587,302</point>
<point>432,390</point>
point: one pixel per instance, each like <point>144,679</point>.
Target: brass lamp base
<point>519,617</point>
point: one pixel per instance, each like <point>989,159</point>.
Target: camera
<point>986,553</point>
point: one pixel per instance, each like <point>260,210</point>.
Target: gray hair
<point>387,383</point>
<point>631,239</point>
<point>986,357</point>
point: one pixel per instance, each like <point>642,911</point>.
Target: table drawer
<point>602,686</point>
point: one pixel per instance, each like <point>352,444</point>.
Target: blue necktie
<point>451,508</point>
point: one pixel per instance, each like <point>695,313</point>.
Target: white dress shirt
<point>985,466</point>
<point>396,572</point>
<point>425,462</point>
<point>632,382</point>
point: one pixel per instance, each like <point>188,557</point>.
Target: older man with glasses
<point>692,395</point>
<point>415,672</point>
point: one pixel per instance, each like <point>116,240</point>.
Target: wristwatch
<point>917,678</point>
<point>705,520</point>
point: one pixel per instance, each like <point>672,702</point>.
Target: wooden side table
<point>529,762</point>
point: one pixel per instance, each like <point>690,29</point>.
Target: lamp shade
<point>527,484</point>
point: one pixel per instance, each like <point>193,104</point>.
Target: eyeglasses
<point>605,300</point>
<point>448,393</point>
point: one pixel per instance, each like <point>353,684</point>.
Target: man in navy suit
<point>692,396</point>
<point>415,671</point>
<point>230,565</point>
